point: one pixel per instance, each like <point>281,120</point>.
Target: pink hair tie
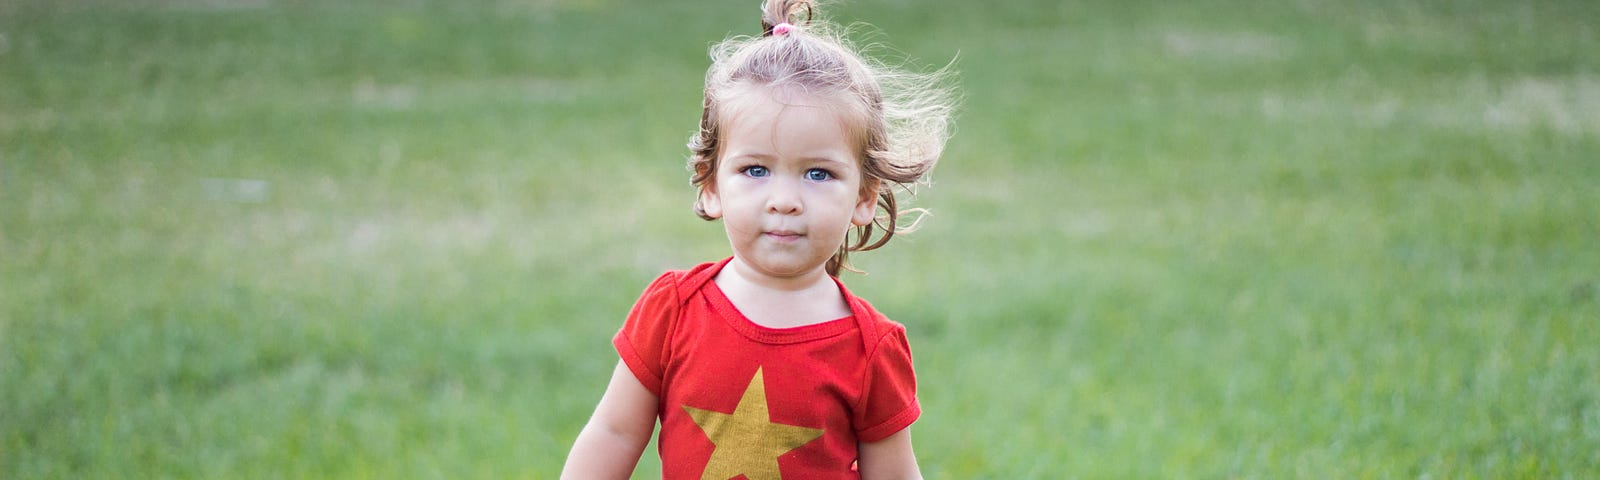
<point>782,29</point>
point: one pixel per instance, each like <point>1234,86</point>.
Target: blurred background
<point>1208,239</point>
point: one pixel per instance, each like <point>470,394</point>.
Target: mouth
<point>783,235</point>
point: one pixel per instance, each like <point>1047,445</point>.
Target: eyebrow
<point>767,157</point>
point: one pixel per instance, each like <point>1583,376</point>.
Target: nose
<point>783,198</point>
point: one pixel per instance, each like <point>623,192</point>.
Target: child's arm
<point>890,458</point>
<point>611,442</point>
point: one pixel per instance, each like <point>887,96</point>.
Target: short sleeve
<point>889,399</point>
<point>642,341</point>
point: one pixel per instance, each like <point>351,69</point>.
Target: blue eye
<point>818,175</point>
<point>756,171</point>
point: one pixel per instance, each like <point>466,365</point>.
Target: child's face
<point>788,184</point>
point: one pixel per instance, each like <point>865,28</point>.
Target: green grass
<point>1177,240</point>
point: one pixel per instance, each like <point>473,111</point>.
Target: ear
<point>866,205</point>
<point>710,204</point>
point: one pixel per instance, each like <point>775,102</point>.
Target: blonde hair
<point>906,115</point>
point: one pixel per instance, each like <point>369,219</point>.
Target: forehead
<point>749,105</point>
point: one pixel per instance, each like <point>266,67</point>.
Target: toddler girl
<point>763,364</point>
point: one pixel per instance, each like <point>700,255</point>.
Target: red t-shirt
<point>740,398</point>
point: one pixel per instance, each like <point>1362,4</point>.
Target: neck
<point>799,282</point>
<point>781,302</point>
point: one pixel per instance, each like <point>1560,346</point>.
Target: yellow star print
<point>747,442</point>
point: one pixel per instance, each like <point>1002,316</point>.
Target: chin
<point>786,267</point>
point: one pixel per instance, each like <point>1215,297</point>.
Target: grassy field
<point>1211,239</point>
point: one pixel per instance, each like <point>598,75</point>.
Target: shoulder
<point>643,342</point>
<point>674,287</point>
<point>876,328</point>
